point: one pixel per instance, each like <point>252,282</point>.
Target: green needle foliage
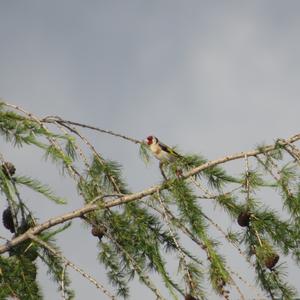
<point>39,187</point>
<point>169,232</point>
<point>18,278</point>
<point>56,269</point>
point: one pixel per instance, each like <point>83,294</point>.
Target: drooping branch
<point>75,174</point>
<point>72,265</point>
<point>57,119</point>
<point>135,196</point>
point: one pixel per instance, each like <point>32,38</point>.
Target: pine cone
<point>98,231</point>
<point>8,169</point>
<point>189,297</point>
<point>7,220</point>
<point>244,218</point>
<point>271,261</point>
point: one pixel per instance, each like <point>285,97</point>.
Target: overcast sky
<point>211,77</point>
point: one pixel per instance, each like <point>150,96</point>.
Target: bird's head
<point>151,140</point>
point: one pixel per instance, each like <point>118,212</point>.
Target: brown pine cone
<point>7,220</point>
<point>98,231</point>
<point>8,169</point>
<point>271,261</point>
<point>244,218</point>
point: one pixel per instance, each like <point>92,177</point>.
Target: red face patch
<point>149,140</point>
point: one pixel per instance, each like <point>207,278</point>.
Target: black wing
<point>168,150</point>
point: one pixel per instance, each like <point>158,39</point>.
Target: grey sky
<point>212,77</point>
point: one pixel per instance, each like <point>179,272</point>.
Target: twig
<point>247,178</point>
<point>259,297</point>
<point>176,242</point>
<point>69,263</point>
<point>11,202</point>
<point>218,227</point>
<point>51,140</point>
<point>51,119</point>
<point>276,175</point>
<point>240,252</point>
<point>78,149</point>
<point>258,237</point>
<point>97,155</point>
<point>291,149</point>
<point>137,268</point>
<point>63,294</point>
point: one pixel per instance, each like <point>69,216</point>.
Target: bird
<point>161,151</point>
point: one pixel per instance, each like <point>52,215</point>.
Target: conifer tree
<point>137,232</point>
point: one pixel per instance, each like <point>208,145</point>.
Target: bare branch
<point>53,119</point>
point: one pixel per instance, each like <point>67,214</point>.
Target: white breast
<point>158,153</point>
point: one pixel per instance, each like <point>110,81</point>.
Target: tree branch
<point>135,196</point>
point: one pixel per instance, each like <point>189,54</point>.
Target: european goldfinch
<point>161,151</point>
